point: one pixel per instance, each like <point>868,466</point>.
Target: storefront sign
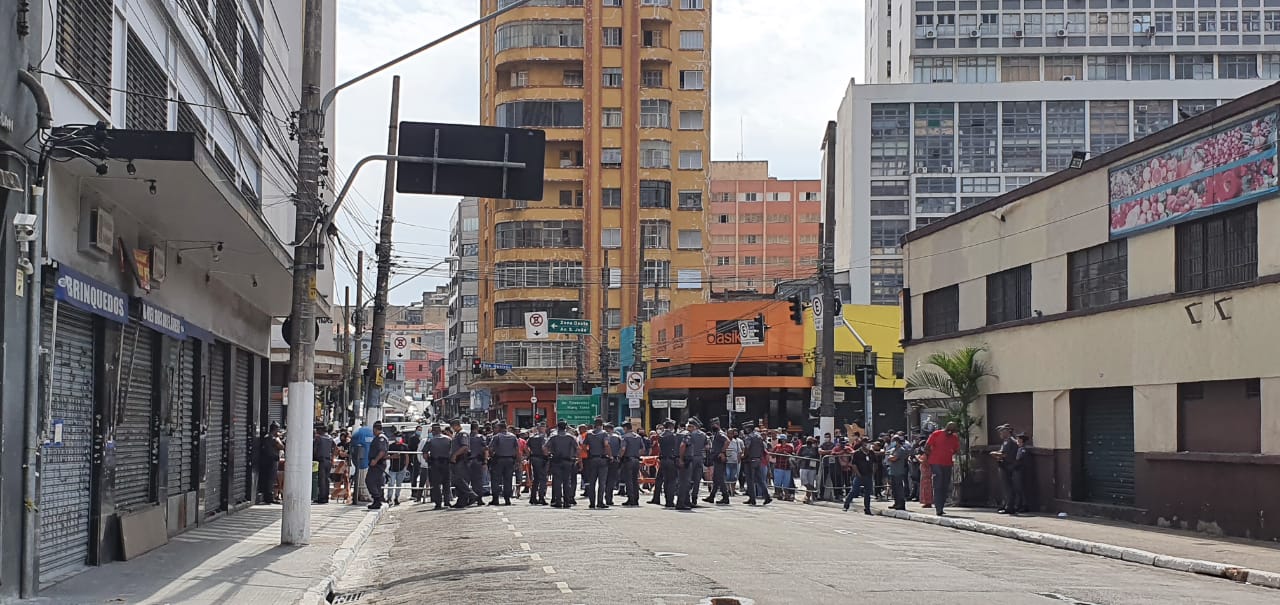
<point>142,268</point>
<point>163,321</point>
<point>1227,168</point>
<point>91,295</point>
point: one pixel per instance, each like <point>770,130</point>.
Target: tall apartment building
<point>464,302</point>
<point>621,88</point>
<point>763,230</point>
<point>927,137</point>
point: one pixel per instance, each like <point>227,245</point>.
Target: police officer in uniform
<point>692,452</point>
<point>435,449</point>
<point>753,453</point>
<point>562,449</point>
<point>596,472</point>
<point>719,443</point>
<point>505,448</point>
<point>538,466</point>
<point>668,471</point>
<point>460,465</point>
<point>615,463</point>
<point>479,455</point>
<point>629,463</point>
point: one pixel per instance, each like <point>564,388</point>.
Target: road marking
<point>517,534</point>
<point>524,545</point>
<point>549,569</point>
<point>564,587</point>
<point>511,527</point>
<point>535,557</point>
<point>844,532</point>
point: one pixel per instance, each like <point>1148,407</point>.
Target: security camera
<point>25,227</point>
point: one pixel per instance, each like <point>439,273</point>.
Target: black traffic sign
<point>472,161</point>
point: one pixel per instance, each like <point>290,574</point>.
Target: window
<point>1164,22</point>
<point>1186,21</point>
<point>980,184</point>
<point>691,119</point>
<point>690,4</point>
<point>1009,295</point>
<point>942,311</point>
<point>1232,408</point>
<point>1108,125</point>
<point>652,38</point>
<point>1188,109</point>
<point>611,36</point>
<point>889,208</point>
<point>470,249</point>
<point>967,202</point>
<point>1151,67</point>
<point>976,69</point>
<point>611,197</point>
<point>657,273</point>
<point>540,114</point>
<point>656,113</point>
<point>750,239</point>
<point>751,218</point>
<point>890,139</point>
<point>615,278</point>
<point>810,218</point>
<point>691,79</point>
<point>935,137</point>
<point>886,280</point>
<point>1238,67</point>
<point>611,238</point>
<point>1019,69</point>
<point>149,110</point>
<point>1063,68</point>
<point>1098,276</point>
<point>932,70</point>
<point>1021,125</point>
<point>536,353</point>
<point>655,194</point>
<point>1108,67</point>
<point>723,239</point>
<point>539,234</point>
<point>886,235</point>
<point>692,40</point>
<point>611,157</point>
<point>611,117</point>
<point>1229,21</point>
<point>690,159</point>
<point>778,239</point>
<point>750,260</point>
<point>1150,116</point>
<point>651,78</point>
<point>724,261</point>
<point>778,218</point>
<point>655,154</point>
<point>572,77</point>
<point>511,314</point>
<point>925,221</point>
<point>1271,21</point>
<point>1270,66</point>
<point>689,239</point>
<point>978,126</point>
<point>571,198</point>
<point>748,197</point>
<point>611,77</point>
<point>725,219</point>
<point>889,188</point>
<point>471,224</point>
<point>650,308</point>
<point>84,46</point>
<point>470,327</point>
<point>690,200</point>
<point>1193,67</point>
<point>1064,132</point>
<point>1208,21</point>
<point>655,234</point>
<point>1219,250</point>
<point>539,34</point>
<point>613,318</point>
<point>470,301</point>
<point>935,205</point>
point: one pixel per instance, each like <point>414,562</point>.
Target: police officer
<point>629,463</point>
<point>668,471</point>
<point>692,452</point>
<point>459,461</point>
<point>435,449</point>
<point>753,453</point>
<point>538,465</point>
<point>505,448</point>
<point>615,463</point>
<point>479,454</point>
<point>562,449</point>
<point>597,465</point>
<point>377,476</point>
<point>719,443</point>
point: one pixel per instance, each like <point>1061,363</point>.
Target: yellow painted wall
<point>879,325</point>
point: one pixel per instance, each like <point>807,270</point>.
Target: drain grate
<point>346,597</point>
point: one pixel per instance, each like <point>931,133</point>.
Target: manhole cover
<point>663,555</point>
<point>346,597</point>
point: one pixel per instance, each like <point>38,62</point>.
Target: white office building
<point>971,98</point>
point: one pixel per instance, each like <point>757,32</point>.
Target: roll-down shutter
<point>242,404</point>
<point>135,446</point>
<point>1108,446</point>
<point>215,462</point>
<point>182,431</point>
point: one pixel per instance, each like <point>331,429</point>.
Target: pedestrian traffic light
<point>797,310</point>
<point>760,326</point>
<point>391,371</point>
<point>475,365</point>
<point>539,417</point>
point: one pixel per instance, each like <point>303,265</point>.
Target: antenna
<point>741,144</point>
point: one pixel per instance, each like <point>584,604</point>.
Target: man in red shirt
<point>783,485</point>
<point>940,451</point>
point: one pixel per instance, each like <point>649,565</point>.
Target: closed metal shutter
<point>215,463</point>
<point>1107,431</point>
<point>182,431</point>
<point>66,470</point>
<point>133,438</point>
<point>242,404</point>
<point>275,409</point>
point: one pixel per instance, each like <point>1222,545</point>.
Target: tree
<point>956,378</point>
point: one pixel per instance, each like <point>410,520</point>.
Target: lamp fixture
<point>130,168</point>
<point>152,185</point>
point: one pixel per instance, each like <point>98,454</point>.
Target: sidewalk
<point>1236,559</point>
<point>237,559</point>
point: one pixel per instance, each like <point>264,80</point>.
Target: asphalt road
<point>783,553</point>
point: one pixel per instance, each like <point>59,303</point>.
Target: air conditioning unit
<point>1017,34</point>
<point>1068,78</point>
<point>946,169</point>
<point>1140,107</point>
<point>929,35</point>
<point>923,170</point>
<point>97,232</point>
<point>974,33</point>
<point>1062,33</point>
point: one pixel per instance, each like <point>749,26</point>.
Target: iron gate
<point>216,431</point>
<point>182,430</point>
<point>1107,440</point>
<point>134,439</point>
<point>66,471</point>
<point>241,406</point>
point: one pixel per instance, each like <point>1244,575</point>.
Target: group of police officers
<point>605,458</point>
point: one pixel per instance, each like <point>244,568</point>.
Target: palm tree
<point>956,377</point>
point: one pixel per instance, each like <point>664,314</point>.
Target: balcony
<point>656,53</point>
<point>657,10</point>
<point>571,174</point>
<point>539,93</point>
<point>541,54</point>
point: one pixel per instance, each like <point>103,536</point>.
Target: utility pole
<point>295,526</point>
<point>827,411</point>
<point>603,339</point>
<point>373,400</point>
<point>345,345</point>
<point>579,357</point>
<point>637,344</point>
<point>357,383</point>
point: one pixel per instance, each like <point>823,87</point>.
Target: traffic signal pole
<point>373,399</point>
<point>827,380</point>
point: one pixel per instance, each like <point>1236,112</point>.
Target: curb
<point>1256,577</point>
<point>318,592</point>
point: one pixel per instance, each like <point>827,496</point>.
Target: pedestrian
<point>478,449</point>
<point>863,476</point>
<point>538,466</point>
<point>596,471</point>
<point>719,445</point>
<point>1006,457</point>
<point>753,454</point>
<point>269,463</point>
<point>940,451</point>
<point>417,472</point>
<point>783,487</point>
<point>807,462</point>
<point>615,463</point>
<point>376,478</point>
<point>434,456</point>
<point>632,448</point>
<point>732,461</point>
<point>361,438</point>
<point>926,477</point>
<point>842,477</point>
<point>830,467</point>
<point>692,458</point>
<point>460,466</point>
<point>896,461</point>
<point>398,456</point>
<point>504,449</point>
<point>562,450</point>
<point>668,470</point>
<point>322,446</point>
<point>1021,467</point>
<point>913,475</point>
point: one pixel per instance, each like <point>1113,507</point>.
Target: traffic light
<point>838,306</point>
<point>797,310</point>
<point>391,371</point>
<point>475,365</point>
<point>539,417</point>
<point>760,326</point>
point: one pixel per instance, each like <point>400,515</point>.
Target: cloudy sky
<point>779,71</point>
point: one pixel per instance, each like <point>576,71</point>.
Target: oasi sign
<point>726,333</point>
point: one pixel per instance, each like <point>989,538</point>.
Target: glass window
<point>933,69</point>
<point>890,139</point>
<point>1164,22</point>
<point>1189,109</point>
<point>690,159</point>
<point>976,69</point>
<point>692,40</point>
<point>655,194</point>
<point>1193,67</point>
<point>1098,276</point>
<point>886,280</point>
<point>655,113</point>
<point>570,198</point>
<point>1218,250</point>
<point>691,4</point>
<point>1229,21</point>
<point>1019,69</point>
<point>1021,125</point>
<point>691,119</point>
<point>651,78</point>
<point>611,36</point>
<point>687,279</point>
<point>980,184</point>
<point>1150,116</point>
<point>690,200</point>
<point>611,157</point>
<point>1151,67</point>
<point>540,114</point>
<point>657,273</point>
<point>1238,67</point>
<point>1271,21</point>
<point>1064,132</point>
<point>1270,66</point>
<point>572,77</point>
<point>941,310</point>
<point>539,234</point>
<point>611,77</point>
<point>936,184</point>
<point>1208,21</point>
<point>1063,67</point>
<point>886,235</point>
<point>1009,295</point>
<point>689,239</point>
<point>538,34</point>
<point>691,79</point>
<point>934,137</point>
<point>655,234</point>
<point>1251,21</point>
<point>1186,21</point>
<point>1108,125</point>
<point>1108,67</point>
<point>613,318</point>
<point>979,127</point>
<point>889,208</point>
<point>612,117</point>
<point>936,205</point>
<point>611,238</point>
<point>611,197</point>
<point>894,187</point>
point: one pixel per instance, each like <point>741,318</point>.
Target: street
<point>783,553</point>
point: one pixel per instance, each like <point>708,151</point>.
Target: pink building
<point>763,230</point>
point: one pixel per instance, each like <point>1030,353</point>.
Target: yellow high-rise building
<point>622,88</point>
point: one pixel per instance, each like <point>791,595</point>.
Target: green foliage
<point>955,378</point>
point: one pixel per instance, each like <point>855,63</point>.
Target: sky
<point>779,70</point>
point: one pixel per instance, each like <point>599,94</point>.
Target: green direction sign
<point>575,409</point>
<point>569,326</point>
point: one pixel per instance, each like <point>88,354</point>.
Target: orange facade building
<point>763,230</point>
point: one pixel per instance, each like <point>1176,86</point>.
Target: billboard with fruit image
<point>1231,166</point>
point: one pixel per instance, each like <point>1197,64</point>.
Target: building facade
<point>763,230</point>
<point>464,304</point>
<point>165,258</point>
<point>1125,310</point>
<point>622,91</point>
<point>926,139</point>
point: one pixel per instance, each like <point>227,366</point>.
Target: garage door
<point>65,468</point>
<point>1107,440</point>
<point>182,430</point>
<point>134,441</point>
<point>242,406</point>
<point>215,436</point>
